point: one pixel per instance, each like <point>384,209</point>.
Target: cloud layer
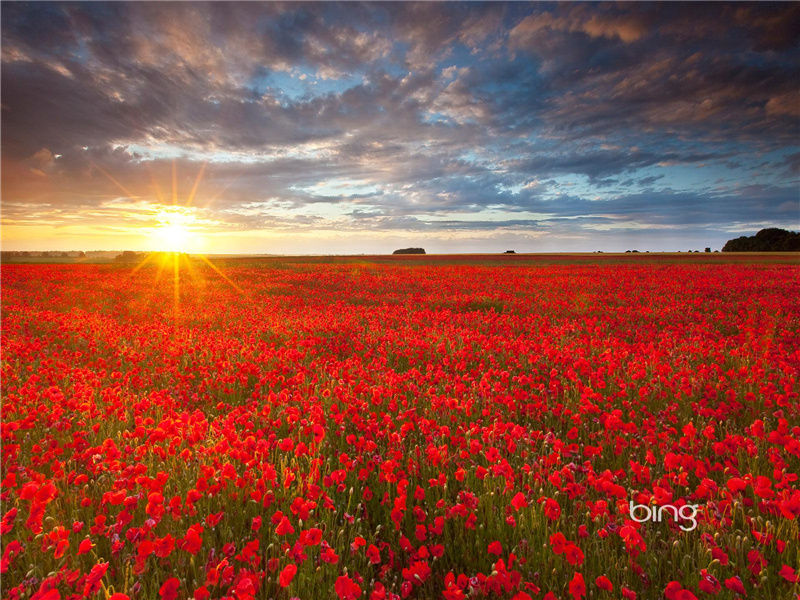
<point>469,126</point>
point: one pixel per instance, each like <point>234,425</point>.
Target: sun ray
<point>209,201</point>
<point>195,275</point>
<point>148,257</point>
<point>197,181</point>
<point>160,268</point>
<point>156,187</point>
<point>176,285</point>
<point>219,272</point>
<point>174,183</point>
<point>125,190</point>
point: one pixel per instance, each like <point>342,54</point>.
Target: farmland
<point>406,427</point>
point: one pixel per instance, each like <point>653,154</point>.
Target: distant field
<point>487,259</point>
<point>386,427</point>
<point>541,258</point>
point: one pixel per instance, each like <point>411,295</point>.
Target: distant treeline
<point>409,251</point>
<point>766,240</point>
<point>130,256</point>
<point>41,254</point>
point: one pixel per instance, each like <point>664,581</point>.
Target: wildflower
<point>346,588</point>
<point>287,574</point>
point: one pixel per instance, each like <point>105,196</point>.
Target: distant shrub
<point>130,256</point>
<point>510,252</point>
<point>409,251</point>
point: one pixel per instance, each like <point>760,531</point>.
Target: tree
<point>766,240</point>
<point>129,256</point>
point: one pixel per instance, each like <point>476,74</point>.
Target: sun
<point>174,232</point>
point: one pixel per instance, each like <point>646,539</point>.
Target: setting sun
<point>174,233</point>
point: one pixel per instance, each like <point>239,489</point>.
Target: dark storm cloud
<point>399,112</point>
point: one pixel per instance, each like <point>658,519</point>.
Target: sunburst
<point>176,232</point>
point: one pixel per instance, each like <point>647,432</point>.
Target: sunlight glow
<point>174,232</point>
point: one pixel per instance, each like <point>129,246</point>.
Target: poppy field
<point>367,430</point>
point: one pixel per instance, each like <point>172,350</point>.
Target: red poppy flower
<point>169,589</point>
<point>346,588</point>
<point>284,527</point>
<point>789,574</point>
<point>735,585</point>
<point>552,510</point>
<point>577,586</point>
<point>604,583</point>
<point>287,574</point>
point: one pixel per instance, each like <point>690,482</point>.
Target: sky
<point>327,128</point>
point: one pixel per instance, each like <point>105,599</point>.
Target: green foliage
<point>766,240</point>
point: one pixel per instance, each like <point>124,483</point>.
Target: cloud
<point>629,27</point>
<point>623,115</point>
